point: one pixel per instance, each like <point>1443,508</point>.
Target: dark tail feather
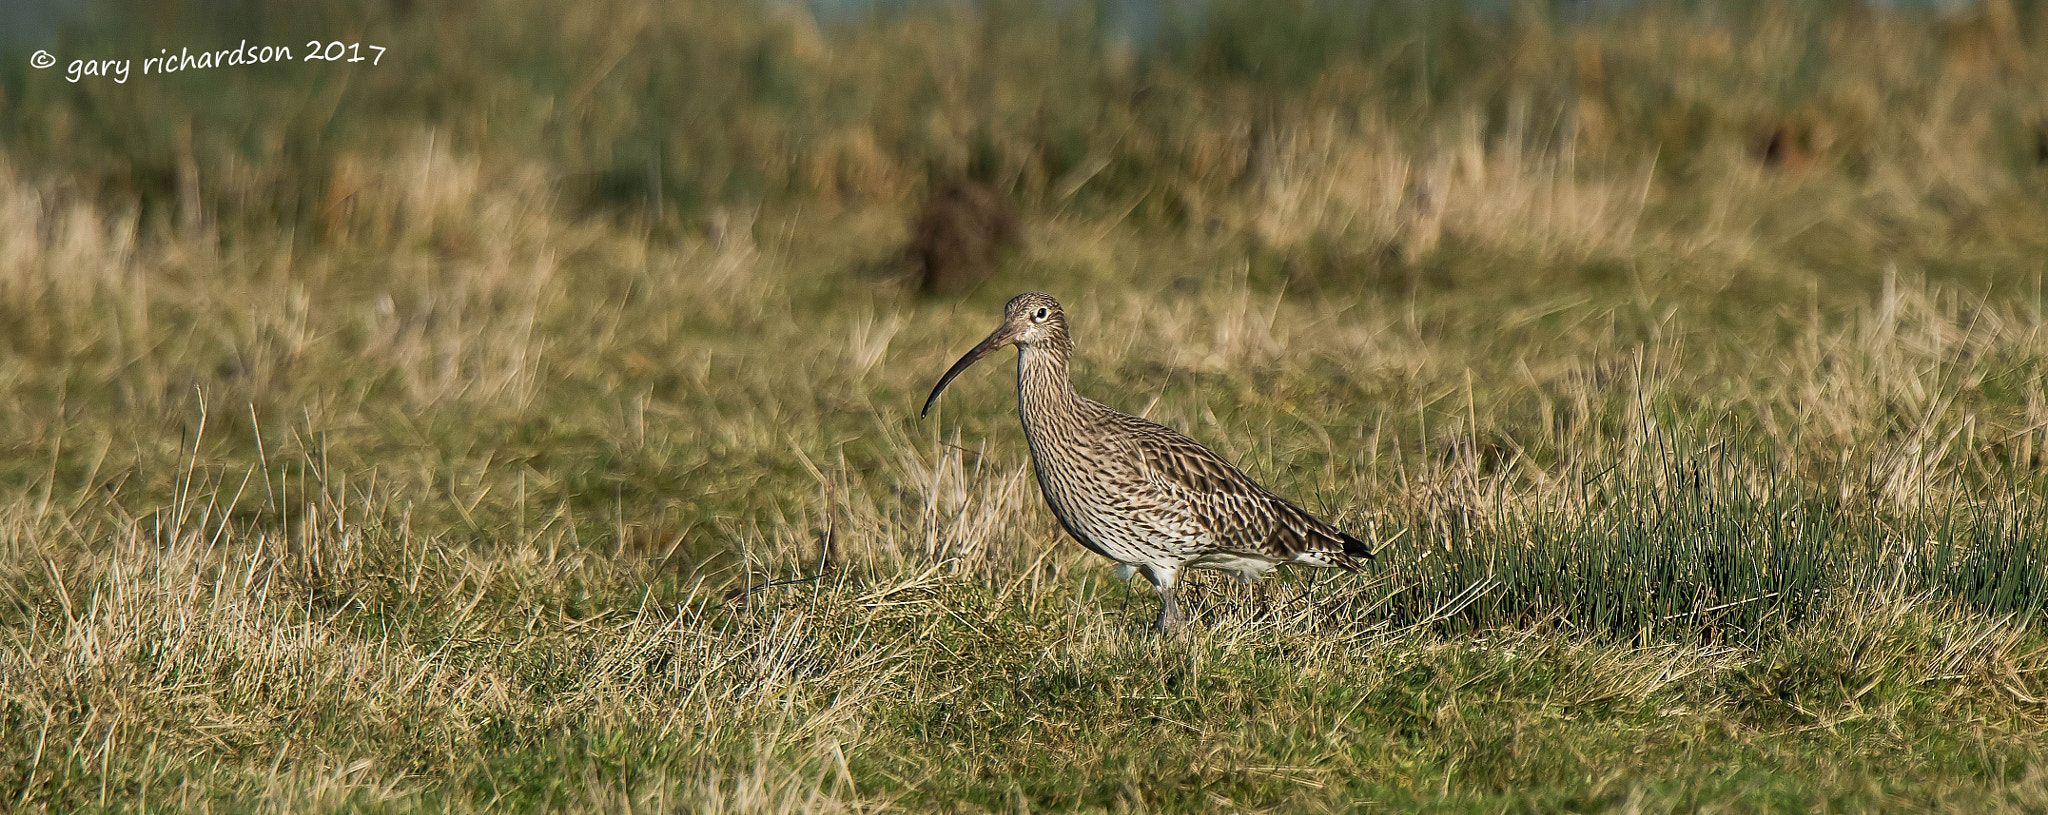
<point>1355,547</point>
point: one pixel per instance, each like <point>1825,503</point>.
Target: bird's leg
<point>1170,618</point>
<point>1123,575</point>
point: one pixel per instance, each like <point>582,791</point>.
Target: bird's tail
<point>1355,547</point>
<point>1354,552</point>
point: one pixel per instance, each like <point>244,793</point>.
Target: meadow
<point>529,421</point>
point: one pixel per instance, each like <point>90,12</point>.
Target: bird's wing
<point>1193,491</point>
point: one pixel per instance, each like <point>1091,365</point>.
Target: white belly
<point>1247,568</point>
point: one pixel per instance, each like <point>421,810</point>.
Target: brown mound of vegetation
<point>959,235</point>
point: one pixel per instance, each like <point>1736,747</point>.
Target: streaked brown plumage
<point>1136,492</point>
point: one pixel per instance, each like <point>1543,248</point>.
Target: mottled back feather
<point>1191,488</point>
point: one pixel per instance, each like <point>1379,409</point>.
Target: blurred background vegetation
<point>1166,111</point>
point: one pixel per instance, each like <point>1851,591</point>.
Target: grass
<point>475,436</point>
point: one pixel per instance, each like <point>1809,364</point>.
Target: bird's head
<point>1031,320</point>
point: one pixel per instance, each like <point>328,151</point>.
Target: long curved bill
<point>993,342</point>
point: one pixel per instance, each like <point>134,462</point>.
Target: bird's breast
<point>1103,499</point>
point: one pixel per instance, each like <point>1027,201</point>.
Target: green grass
<point>470,434</point>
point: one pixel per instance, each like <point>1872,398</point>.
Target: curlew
<point>1136,492</point>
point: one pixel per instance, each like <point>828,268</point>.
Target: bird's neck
<point>1043,390</point>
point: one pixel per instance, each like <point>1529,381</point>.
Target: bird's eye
<point>1042,313</point>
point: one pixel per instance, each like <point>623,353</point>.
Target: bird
<point>1138,492</point>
